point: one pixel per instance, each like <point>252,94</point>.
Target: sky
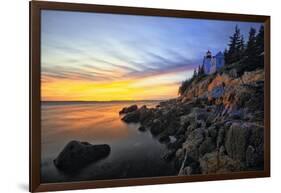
<point>108,57</point>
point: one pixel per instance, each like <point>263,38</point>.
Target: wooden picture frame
<point>35,95</point>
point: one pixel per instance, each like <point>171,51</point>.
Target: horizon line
<point>103,101</point>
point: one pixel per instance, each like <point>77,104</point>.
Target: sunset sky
<point>104,57</point>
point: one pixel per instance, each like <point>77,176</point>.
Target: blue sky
<point>95,47</point>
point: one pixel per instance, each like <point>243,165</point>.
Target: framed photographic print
<point>123,96</point>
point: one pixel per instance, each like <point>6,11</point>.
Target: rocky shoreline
<point>216,126</point>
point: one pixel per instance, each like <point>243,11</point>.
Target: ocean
<point>134,154</point>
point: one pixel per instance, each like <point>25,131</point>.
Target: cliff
<point>215,126</point>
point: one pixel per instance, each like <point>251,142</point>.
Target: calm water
<point>133,153</point>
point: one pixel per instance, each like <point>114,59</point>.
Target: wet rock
<point>132,117</point>
<point>76,155</point>
<point>177,144</point>
<point>156,127</point>
<point>128,109</point>
<point>164,139</point>
<point>142,128</point>
<point>145,114</point>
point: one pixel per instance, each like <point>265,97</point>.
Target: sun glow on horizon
<point>149,88</point>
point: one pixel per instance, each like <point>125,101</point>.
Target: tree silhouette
<point>260,46</point>
<point>251,52</point>
<point>236,46</point>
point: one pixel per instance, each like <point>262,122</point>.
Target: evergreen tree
<point>201,70</point>
<point>260,46</point>
<point>240,48</point>
<point>194,73</point>
<point>233,46</point>
<point>251,52</point>
<point>225,53</point>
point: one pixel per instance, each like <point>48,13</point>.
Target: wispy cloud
<point>89,55</point>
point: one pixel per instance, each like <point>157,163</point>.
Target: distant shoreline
<point>114,101</point>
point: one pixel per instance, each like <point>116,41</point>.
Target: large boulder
<point>145,114</point>
<point>245,138</point>
<point>132,117</point>
<point>216,163</point>
<point>76,155</point>
<point>196,137</point>
<point>128,109</point>
<point>255,150</point>
<point>156,127</point>
<point>237,140</point>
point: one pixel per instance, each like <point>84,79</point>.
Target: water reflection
<point>132,152</point>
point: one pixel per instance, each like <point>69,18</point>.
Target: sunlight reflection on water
<point>98,123</point>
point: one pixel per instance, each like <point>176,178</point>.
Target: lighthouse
<point>213,63</point>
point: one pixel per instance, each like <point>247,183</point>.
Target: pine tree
<point>251,52</point>
<point>240,48</point>
<point>260,46</point>
<point>225,53</point>
<point>201,70</point>
<point>233,52</point>
<point>194,73</point>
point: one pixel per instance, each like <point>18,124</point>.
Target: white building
<point>213,63</point>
